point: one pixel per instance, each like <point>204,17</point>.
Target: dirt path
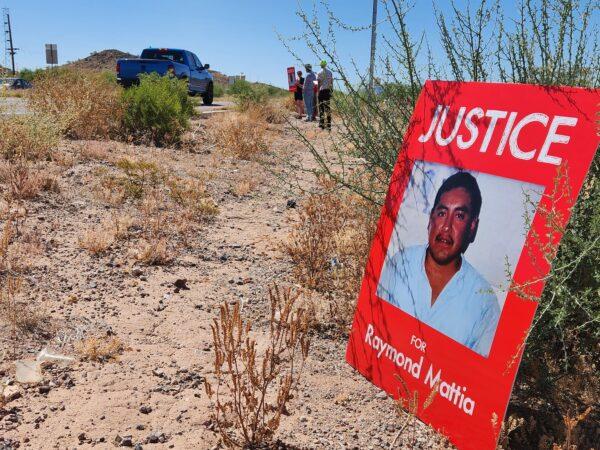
<point>154,391</point>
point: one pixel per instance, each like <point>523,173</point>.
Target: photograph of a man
<point>434,283</point>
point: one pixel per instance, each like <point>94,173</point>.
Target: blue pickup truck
<point>180,63</point>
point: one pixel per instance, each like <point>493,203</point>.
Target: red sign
<point>483,186</point>
<point>291,76</point>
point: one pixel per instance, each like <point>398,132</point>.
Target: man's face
<point>452,226</point>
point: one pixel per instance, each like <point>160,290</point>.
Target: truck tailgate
<point>129,69</point>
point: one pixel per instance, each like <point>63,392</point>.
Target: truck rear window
<point>168,55</point>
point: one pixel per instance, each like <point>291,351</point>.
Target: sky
<point>234,36</point>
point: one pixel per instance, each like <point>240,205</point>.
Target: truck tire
<point>207,98</point>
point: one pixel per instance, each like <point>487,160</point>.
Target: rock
<point>144,409</point>
<point>291,203</point>
<point>11,393</point>
<point>156,438</point>
<point>181,284</point>
<point>381,395</point>
<point>123,441</point>
<point>82,437</point>
<point>44,389</point>
<point>138,446</point>
<point>136,272</point>
<point>140,427</point>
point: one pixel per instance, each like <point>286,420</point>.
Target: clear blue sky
<point>234,36</point>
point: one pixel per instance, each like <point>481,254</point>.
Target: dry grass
<point>98,240</point>
<point>193,197</point>
<point>245,184</point>
<point>101,349</point>
<point>155,247</point>
<point>273,111</point>
<point>31,138</point>
<point>154,252</point>
<point>239,135</point>
<point>86,105</point>
<point>24,182</point>
<point>15,93</point>
<point>329,246</point>
<point>252,392</point>
<point>15,242</point>
<point>98,151</point>
<point>170,207</point>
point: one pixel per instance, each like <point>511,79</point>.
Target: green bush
<point>247,94</point>
<point>30,75</point>
<point>157,110</point>
<point>219,90</point>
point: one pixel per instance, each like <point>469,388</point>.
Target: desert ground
<point>150,393</point>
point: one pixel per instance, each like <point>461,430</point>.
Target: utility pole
<point>9,48</point>
<point>373,44</point>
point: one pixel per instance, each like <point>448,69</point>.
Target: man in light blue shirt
<point>434,282</point>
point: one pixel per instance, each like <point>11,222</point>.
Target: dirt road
<point>18,106</point>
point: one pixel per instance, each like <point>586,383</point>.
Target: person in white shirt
<point>325,81</point>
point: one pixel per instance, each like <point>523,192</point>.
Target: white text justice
<point>511,127</point>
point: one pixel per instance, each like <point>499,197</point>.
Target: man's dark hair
<point>461,180</point>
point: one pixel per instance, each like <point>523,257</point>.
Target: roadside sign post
<point>481,192</point>
<point>51,54</point>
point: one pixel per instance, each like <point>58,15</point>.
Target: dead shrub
<point>25,182</point>
<point>18,314</point>
<point>272,111</point>
<point>329,246</point>
<point>96,151</point>
<point>96,241</point>
<point>109,189</point>
<point>245,184</point>
<point>193,197</point>
<point>154,252</point>
<point>29,137</point>
<point>86,104</point>
<point>251,392</point>
<point>100,348</point>
<point>239,135</point>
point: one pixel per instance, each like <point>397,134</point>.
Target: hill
<point>102,60</point>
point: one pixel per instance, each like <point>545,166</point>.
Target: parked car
<point>180,63</point>
<point>14,83</point>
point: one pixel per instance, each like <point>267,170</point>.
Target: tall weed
<point>84,104</point>
<point>251,390</point>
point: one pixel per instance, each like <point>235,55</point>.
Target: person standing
<point>298,99</point>
<point>308,94</point>
<point>325,81</point>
